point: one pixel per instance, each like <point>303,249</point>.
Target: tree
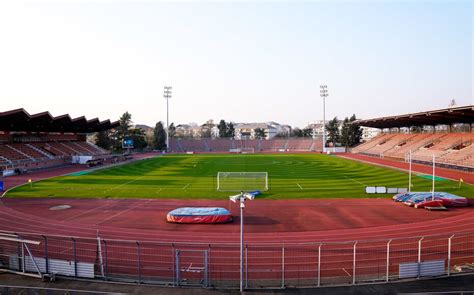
<point>230,130</point>
<point>138,136</point>
<point>222,129</point>
<point>103,140</point>
<point>206,129</point>
<point>159,137</point>
<point>123,130</point>
<point>332,129</point>
<point>307,132</point>
<point>355,131</point>
<point>171,130</point>
<point>259,133</point>
<point>345,135</point>
<point>297,132</point>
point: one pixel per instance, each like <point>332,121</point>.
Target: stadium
<point>248,147</point>
<point>318,219</point>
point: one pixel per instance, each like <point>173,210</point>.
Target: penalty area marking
<point>299,186</point>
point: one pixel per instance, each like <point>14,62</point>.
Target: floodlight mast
<point>241,198</point>
<point>323,92</point>
<point>167,95</point>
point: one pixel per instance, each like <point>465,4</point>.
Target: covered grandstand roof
<point>453,115</point>
<point>21,120</point>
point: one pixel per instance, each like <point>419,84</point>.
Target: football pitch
<point>195,177</point>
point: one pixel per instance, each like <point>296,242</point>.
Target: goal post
<point>242,181</point>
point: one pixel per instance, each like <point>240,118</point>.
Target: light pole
<point>167,95</point>
<point>323,91</point>
<point>241,198</point>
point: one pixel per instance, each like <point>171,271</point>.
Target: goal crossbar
<point>242,181</point>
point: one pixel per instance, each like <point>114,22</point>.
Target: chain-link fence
<point>218,265</point>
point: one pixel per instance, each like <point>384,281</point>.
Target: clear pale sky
<point>240,61</point>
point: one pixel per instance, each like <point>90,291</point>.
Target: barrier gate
<point>192,267</point>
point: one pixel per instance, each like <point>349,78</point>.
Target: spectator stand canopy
<point>449,116</point>
<point>20,120</point>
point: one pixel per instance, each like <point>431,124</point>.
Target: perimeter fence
<point>218,264</point>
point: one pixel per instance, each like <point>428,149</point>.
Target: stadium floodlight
<point>167,95</point>
<point>241,198</point>
<point>323,92</point>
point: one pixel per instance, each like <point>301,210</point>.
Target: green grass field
<point>194,176</point>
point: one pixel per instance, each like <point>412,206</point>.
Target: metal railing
<point>265,265</point>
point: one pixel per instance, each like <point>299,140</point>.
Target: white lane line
<point>346,272</point>
<point>355,181</point>
<point>128,182</point>
<point>86,212</point>
<point>299,185</point>
<point>140,203</point>
<point>186,186</point>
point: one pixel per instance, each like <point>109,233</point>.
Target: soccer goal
<point>242,181</point>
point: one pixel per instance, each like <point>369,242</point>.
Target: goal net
<point>242,181</point>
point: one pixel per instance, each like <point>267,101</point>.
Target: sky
<point>241,61</point>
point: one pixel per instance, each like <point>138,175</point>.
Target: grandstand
<point>256,145</point>
<point>41,140</point>
<point>452,146</point>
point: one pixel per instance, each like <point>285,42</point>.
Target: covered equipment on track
<point>428,199</point>
<point>199,215</point>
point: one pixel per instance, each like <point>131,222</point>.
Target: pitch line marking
<point>158,191</point>
<point>355,180</point>
<point>186,186</point>
<point>128,182</point>
<point>299,186</point>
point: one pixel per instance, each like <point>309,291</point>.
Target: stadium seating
<point>448,148</point>
<point>39,154</point>
<point>224,145</point>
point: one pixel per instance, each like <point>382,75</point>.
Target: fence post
<point>173,255</point>
<point>449,254</point>
<point>283,266</point>
<point>177,267</point>
<point>388,260</point>
<point>75,256</point>
<point>139,263</point>
<point>209,266</point>
<point>354,265</point>
<point>246,266</point>
<point>419,256</point>
<point>46,259</point>
<point>106,272</point>
<point>319,265</point>
<point>206,279</point>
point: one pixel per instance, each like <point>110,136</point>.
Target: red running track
<point>275,222</point>
<point>267,221</point>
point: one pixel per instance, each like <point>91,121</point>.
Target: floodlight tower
<point>323,92</point>
<point>241,198</point>
<point>167,95</point>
